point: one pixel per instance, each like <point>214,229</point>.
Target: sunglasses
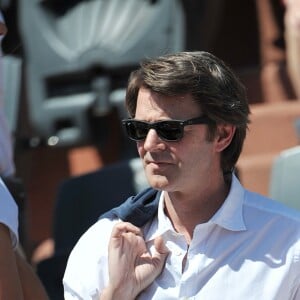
<point>168,130</point>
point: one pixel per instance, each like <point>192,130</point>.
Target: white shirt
<point>249,250</point>
<point>9,213</point>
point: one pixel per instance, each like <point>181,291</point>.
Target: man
<point>197,233</point>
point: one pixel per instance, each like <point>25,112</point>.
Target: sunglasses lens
<point>166,130</point>
<point>136,130</point>
<point>169,130</point>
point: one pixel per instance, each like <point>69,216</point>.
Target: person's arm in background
<point>292,40</point>
<point>17,278</point>
<point>10,285</point>
<point>31,285</point>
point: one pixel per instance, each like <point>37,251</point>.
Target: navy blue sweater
<point>138,209</point>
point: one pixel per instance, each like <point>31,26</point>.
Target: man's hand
<point>131,267</point>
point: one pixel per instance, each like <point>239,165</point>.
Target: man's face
<point>175,166</point>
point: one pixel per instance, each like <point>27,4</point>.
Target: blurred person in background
<point>292,41</point>
<point>17,278</point>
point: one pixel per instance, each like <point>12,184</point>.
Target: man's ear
<point>225,133</point>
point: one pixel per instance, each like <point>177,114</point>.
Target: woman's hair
<point>212,84</point>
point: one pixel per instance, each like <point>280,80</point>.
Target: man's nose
<point>153,142</point>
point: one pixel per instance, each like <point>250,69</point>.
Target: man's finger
<point>124,227</point>
<point>160,246</point>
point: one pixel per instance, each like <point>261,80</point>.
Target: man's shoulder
<point>134,207</point>
<point>271,208</point>
<point>93,243</point>
<point>138,209</point>
<point>103,226</point>
<point>82,270</point>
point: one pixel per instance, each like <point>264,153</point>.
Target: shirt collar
<point>229,216</point>
<point>161,224</point>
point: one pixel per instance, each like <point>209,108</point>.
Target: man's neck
<point>187,210</point>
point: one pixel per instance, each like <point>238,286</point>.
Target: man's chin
<point>158,182</point>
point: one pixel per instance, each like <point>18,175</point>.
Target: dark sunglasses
<point>168,130</point>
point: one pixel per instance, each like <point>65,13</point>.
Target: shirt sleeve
<point>9,213</point>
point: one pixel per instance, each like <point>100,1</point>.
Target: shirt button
<point>177,252</point>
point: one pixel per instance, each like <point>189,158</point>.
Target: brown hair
<point>213,85</point>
